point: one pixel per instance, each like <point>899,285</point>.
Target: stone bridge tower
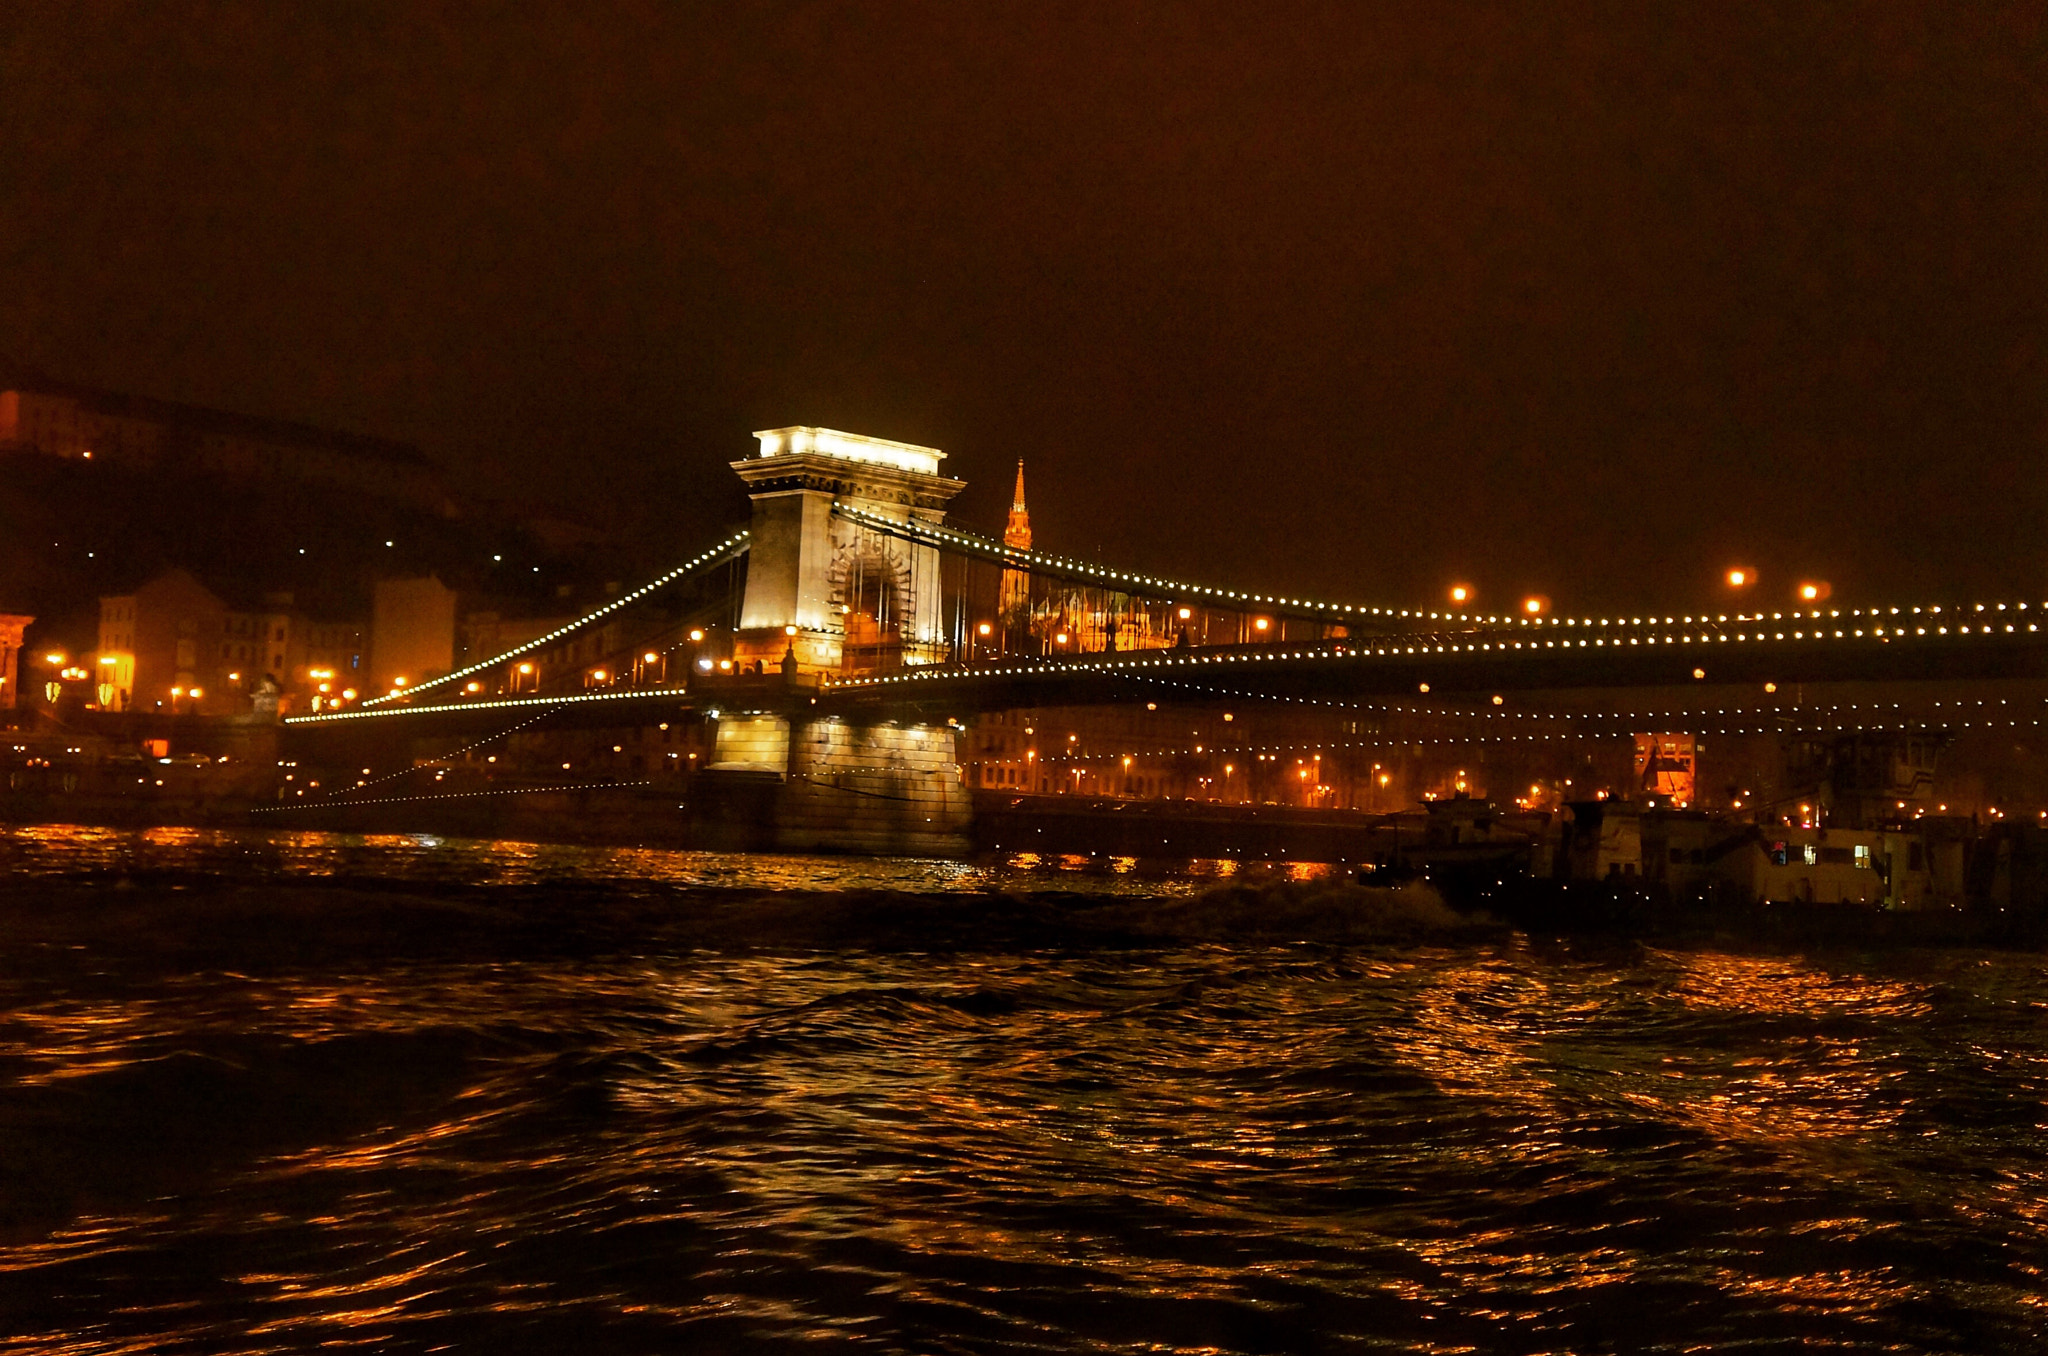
<point>858,598</point>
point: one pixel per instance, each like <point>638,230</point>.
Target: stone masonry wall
<point>874,788</point>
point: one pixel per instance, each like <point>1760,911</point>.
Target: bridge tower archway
<point>814,570</point>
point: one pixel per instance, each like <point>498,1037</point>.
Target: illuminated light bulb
<point>1532,606</point>
<point>984,629</point>
<point>1422,687</point>
<point>1699,673</point>
<point>1770,687</point>
<point>1460,593</point>
<point>197,693</point>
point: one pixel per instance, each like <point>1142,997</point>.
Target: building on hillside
<point>175,645</point>
<point>55,419</point>
<point>412,632</point>
<point>11,626</point>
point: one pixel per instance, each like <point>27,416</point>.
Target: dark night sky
<point>1344,300</point>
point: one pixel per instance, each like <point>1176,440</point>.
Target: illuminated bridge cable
<point>731,547</point>
<point>443,759</point>
<point>1879,620</point>
<point>448,795</point>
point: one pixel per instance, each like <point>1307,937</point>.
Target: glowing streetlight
<point>984,629</point>
<point>1461,593</point>
<point>1814,590</point>
<point>1741,577</point>
<point>1533,606</point>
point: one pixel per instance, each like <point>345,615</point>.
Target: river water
<point>280,1093</point>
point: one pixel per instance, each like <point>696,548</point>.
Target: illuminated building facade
<point>174,645</point>
<point>835,594</point>
<point>1015,597</point>
<point>78,423</point>
<point>412,632</point>
<point>11,627</point>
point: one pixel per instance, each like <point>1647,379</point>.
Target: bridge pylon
<point>840,596</point>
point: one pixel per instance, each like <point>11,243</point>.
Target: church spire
<point>1017,531</point>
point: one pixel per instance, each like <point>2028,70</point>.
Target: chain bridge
<point>831,658</point>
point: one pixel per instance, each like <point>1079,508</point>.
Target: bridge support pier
<point>831,785</point>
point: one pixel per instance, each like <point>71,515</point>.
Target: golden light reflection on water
<point>1786,986</point>
<point>1420,1147</point>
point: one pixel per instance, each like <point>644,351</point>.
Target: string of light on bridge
<point>443,758</point>
<point>1240,600</point>
<point>1398,742</point>
<point>495,704</point>
<point>717,555</point>
<point>446,795</point>
<point>1368,649</point>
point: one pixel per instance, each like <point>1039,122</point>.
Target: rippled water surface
<point>291,1093</point>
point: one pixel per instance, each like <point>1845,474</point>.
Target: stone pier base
<point>833,786</point>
